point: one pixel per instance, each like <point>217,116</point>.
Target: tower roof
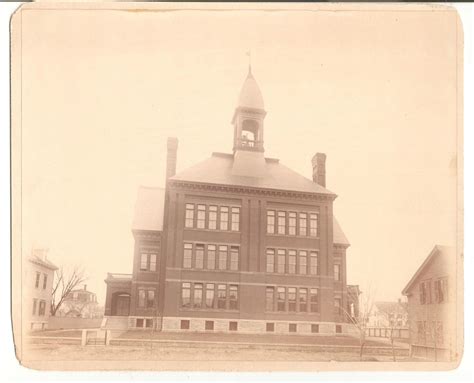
<point>250,95</point>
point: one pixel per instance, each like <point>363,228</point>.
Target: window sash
<point>152,262</point>
<point>234,258</point>
<point>270,261</point>
<point>313,224</point>
<point>224,218</point>
<point>271,222</point>
<point>303,223</point>
<point>150,302</point>
<point>37,281</point>
<point>201,217</point>
<point>141,298</point>
<point>189,216</point>
<point>197,296</point>
<point>199,257</point>
<point>221,296</point>
<point>337,272</point>
<point>210,295</point>
<point>45,281</point>
<point>188,255</point>
<point>303,299</point>
<point>235,219</point>
<point>292,223</point>
<point>281,222</point>
<point>292,262</point>
<point>303,266</point>
<point>186,294</point>
<point>211,257</point>
<point>281,259</point>
<point>222,257</point>
<point>313,263</point>
<point>212,221</point>
<point>270,299</point>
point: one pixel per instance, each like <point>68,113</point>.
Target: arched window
<point>249,133</point>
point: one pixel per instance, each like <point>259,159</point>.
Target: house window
<point>148,323</point>
<point>281,222</point>
<point>37,281</point>
<point>42,308</point>
<point>139,322</point>
<point>292,223</point>
<point>234,258</point>
<point>184,324</point>
<point>143,262</point>
<point>209,325</point>
<point>211,257</point>
<point>313,224</point>
<point>188,255</point>
<point>233,297</point>
<point>338,329</point>
<point>303,300</point>
<point>281,261</point>
<point>281,298</point>
<point>271,222</point>
<point>337,272</point>
<point>141,298</point>
<point>303,223</point>
<point>232,326</point>
<point>150,301</point>
<point>337,306</point>
<point>186,294</point>
<point>291,261</point>
<point>292,327</point>
<point>313,300</point>
<point>210,295</point>
<point>222,257</point>
<point>235,219</point>
<point>428,291</point>
<point>224,218</point>
<point>315,328</point>
<point>199,257</point>
<point>313,263</point>
<point>270,260</point>
<point>221,296</point>
<point>212,223</point>
<point>440,290</point>
<point>269,298</point>
<point>201,216</point>
<point>152,262</point>
<point>35,303</point>
<point>291,298</point>
<point>45,281</point>
<point>197,301</point>
<point>303,262</point>
<point>270,327</point>
<point>189,220</point>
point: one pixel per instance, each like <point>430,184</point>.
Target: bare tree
<point>64,283</point>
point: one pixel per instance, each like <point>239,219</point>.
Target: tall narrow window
<point>428,291</point>
<point>235,219</point>
<point>281,299</point>
<point>212,221</point>
<point>45,281</point>
<point>42,308</point>
<point>221,296</point>
<point>211,257</point>
<point>197,299</point>
<point>224,218</point>
<point>233,297</point>
<point>189,219</point>
<point>291,261</point>
<point>186,294</point>
<point>210,295</point>
<point>337,306</point>
<point>313,266</point>
<point>291,298</point>
<point>141,298</point>
<point>234,258</point>
<point>314,301</point>
<point>337,272</point>
<point>201,216</point>
<point>270,261</point>
<point>222,257</point>
<point>422,292</point>
<point>150,301</point>
<point>144,262</point>
<point>313,224</point>
<point>199,257</point>
<point>271,222</point>
<point>292,223</point>
<point>37,280</point>
<point>303,258</point>
<point>35,303</point>
<point>152,262</point>
<point>269,298</point>
<point>281,261</point>
<point>188,255</point>
<point>303,224</point>
<point>303,300</point>
<point>281,222</point>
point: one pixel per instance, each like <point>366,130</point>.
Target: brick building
<point>238,242</point>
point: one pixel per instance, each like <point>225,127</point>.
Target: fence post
<point>84,338</point>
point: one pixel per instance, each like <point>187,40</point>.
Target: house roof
<point>149,209</point>
<point>218,169</point>
<point>437,251</point>
<point>42,262</point>
<point>391,307</point>
<point>338,235</point>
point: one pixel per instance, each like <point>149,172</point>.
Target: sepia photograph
<point>237,187</point>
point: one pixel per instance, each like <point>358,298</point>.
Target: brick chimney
<point>319,169</point>
<point>171,157</point>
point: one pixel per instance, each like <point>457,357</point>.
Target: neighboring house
<point>389,314</point>
<point>353,293</point>
<point>238,242</point>
<point>80,303</point>
<point>38,286</point>
<point>432,306</point>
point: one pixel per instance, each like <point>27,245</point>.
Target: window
<point>292,223</point>
<point>197,301</point>
<point>271,222</point>
<point>292,327</point>
<point>201,216</point>
<point>337,272</point>
<point>292,261</point>
<point>281,261</point>
<point>425,296</point>
<point>184,324</point>
<point>188,255</point>
<point>270,260</point>
<point>281,222</point>
<point>210,295</point>
<point>338,329</point>
<point>222,257</point>
<point>224,218</point>
<point>152,262</point>
<point>440,290</point>
<point>303,267</point>
<point>221,296</point>
<point>315,328</point>
<point>234,258</point>
<point>232,326</point>
<point>189,220</point>
<point>150,302</point>
<point>148,323</point>
<point>233,297</point>
<point>211,257</point>
<point>143,262</point>
<point>269,298</point>
<point>42,308</point>
<point>45,281</point>
<point>186,294</point>
<point>428,292</point>
<point>141,298</point>
<point>199,257</point>
<point>303,300</point>
<point>291,298</point>
<point>314,301</point>
<point>212,222</point>
<point>270,327</point>
<point>313,224</point>
<point>37,281</point>
<point>235,219</point>
<point>209,325</point>
<point>303,223</point>
<point>313,263</point>
<point>139,322</point>
<point>337,306</point>
<point>35,303</point>
<point>281,298</point>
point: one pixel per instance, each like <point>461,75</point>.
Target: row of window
<point>439,289</point>
<point>147,262</point>
<point>41,307</point>
<point>284,261</point>
<point>212,217</point>
<point>37,280</point>
<point>210,257</point>
<point>292,223</point>
<point>210,296</point>
<point>430,331</point>
<point>146,298</point>
<point>291,299</point>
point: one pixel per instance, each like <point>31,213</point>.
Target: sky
<point>375,91</point>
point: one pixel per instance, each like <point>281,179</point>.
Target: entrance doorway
<point>121,304</point>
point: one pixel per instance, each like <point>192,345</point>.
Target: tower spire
<point>249,54</point>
